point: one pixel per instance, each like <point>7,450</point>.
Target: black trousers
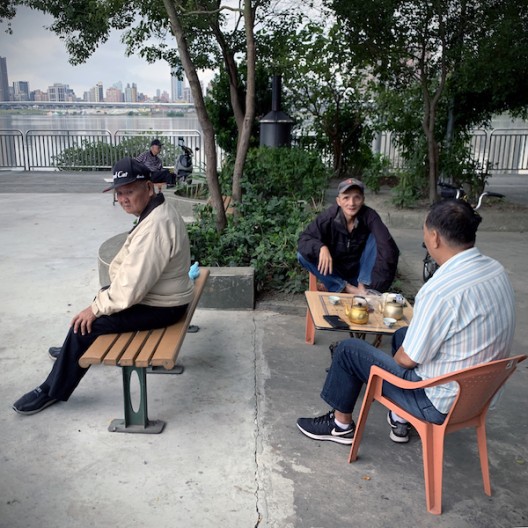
<point>163,176</point>
<point>66,372</point>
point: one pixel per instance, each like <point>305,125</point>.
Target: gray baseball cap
<point>348,184</point>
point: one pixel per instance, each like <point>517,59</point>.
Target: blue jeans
<point>350,369</point>
<point>334,282</point>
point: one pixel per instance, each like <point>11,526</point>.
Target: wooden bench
<point>141,352</point>
<point>228,201</point>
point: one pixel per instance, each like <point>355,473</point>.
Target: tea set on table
<point>389,304</point>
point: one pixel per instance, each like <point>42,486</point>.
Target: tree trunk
<point>203,116</point>
<point>244,134</point>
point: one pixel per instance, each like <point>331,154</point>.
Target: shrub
<point>282,191</point>
<point>263,234</point>
<point>292,172</point>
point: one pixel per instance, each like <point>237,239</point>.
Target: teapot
<point>357,312</point>
<point>393,309</point>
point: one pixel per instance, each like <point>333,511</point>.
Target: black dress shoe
<point>53,352</point>
<point>33,402</point>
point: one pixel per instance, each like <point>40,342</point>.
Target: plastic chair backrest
<point>478,385</point>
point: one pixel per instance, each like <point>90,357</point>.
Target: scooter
<point>183,166</point>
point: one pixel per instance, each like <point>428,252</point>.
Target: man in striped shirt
<point>463,316</point>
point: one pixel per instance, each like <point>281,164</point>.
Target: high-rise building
<point>21,91</point>
<point>99,95</point>
<point>4,81</point>
<point>131,93</point>
<point>114,95</point>
<point>177,88</point>
<point>57,92</point>
<point>39,95</point>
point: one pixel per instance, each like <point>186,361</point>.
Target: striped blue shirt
<point>463,316</point>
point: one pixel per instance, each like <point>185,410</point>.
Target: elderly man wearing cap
<point>149,284</point>
<point>348,247</point>
<point>151,159</point>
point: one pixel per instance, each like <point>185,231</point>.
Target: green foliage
<point>263,232</point>
<point>376,172</point>
<point>327,93</point>
<point>291,172</point>
<point>463,171</point>
<point>412,183</point>
<point>97,153</point>
<point>218,104</point>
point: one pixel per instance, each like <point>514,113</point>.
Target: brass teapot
<point>357,312</point>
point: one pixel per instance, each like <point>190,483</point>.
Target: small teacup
<point>389,322</point>
<point>334,299</point>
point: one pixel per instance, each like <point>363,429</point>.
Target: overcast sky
<point>37,55</point>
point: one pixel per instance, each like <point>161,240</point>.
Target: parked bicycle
<point>448,191</point>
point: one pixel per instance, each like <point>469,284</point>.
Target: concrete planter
<point>226,288</point>
<point>184,205</point>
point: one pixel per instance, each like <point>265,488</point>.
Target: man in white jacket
<point>149,284</point>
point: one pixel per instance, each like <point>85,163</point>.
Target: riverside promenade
<point>231,454</point>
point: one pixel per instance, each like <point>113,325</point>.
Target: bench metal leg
<point>135,421</point>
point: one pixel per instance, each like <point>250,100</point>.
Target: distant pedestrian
<point>151,159</point>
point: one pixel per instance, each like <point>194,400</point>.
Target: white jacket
<point>152,267</point>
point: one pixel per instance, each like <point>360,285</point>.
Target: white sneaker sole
<point>393,437</point>
<point>330,438</point>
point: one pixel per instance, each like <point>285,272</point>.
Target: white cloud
<point>37,55</point>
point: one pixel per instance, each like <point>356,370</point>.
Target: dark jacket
<point>329,229</point>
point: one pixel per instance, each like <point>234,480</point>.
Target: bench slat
<point>159,348</point>
<point>97,351</point>
<point>114,354</point>
<point>167,351</point>
<point>144,357</point>
<point>133,349</point>
<point>169,347</point>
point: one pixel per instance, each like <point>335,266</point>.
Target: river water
<point>114,123</point>
<point>111,123</point>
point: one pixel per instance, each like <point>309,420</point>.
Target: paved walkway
<point>231,454</point>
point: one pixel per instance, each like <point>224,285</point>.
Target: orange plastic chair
<point>310,327</point>
<point>477,386</point>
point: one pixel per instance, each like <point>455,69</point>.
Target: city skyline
<point>37,56</point>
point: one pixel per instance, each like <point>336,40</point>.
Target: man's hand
<point>325,261</point>
<point>83,321</point>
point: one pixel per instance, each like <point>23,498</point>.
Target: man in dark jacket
<point>348,247</point>
<point>151,159</point>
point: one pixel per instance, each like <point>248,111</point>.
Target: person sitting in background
<point>151,159</point>
<point>348,247</point>
<point>463,316</point>
<point>149,286</point>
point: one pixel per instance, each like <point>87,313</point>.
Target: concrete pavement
<point>231,454</point>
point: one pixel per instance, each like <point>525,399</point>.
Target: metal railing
<point>89,149</point>
<point>501,150</point>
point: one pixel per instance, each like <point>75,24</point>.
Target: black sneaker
<point>399,431</point>
<point>53,352</point>
<point>325,428</point>
<point>33,402</point>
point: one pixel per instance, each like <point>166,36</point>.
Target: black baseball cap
<point>128,170</point>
